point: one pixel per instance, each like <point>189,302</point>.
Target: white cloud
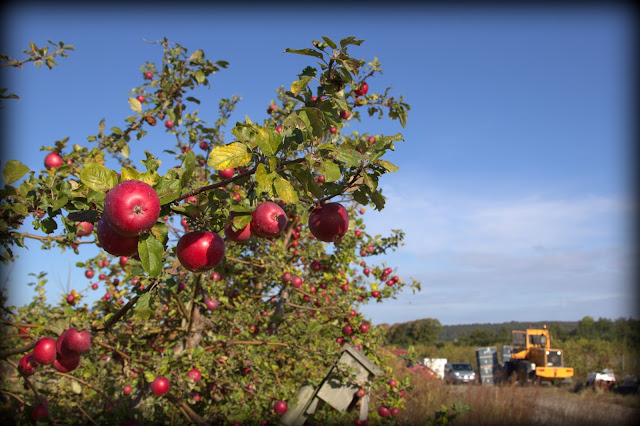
<point>530,253</point>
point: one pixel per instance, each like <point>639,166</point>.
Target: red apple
<point>195,374</point>
<point>372,139</point>
<point>160,386</point>
<point>52,160</point>
<point>296,282</point>
<point>333,130</point>
<point>40,411</point>
<point>132,207</point>
<point>126,389</point>
<point>168,124</point>
<point>226,173</point>
<point>66,363</point>
<point>362,89</point>
<point>345,115</point>
<point>361,393</point>
<point>71,299</point>
<point>329,222</point>
<point>212,304</point>
<point>88,273</point>
<point>114,243</point>
<point>204,145</point>
<point>286,277</point>
<point>395,411</point>
<point>27,364</point>
<point>84,228</point>
<point>383,411</point>
<point>269,220</point>
<point>200,250</point>
<point>271,108</point>
<point>94,286</point>
<point>348,330</point>
<point>148,75</point>
<point>123,260</point>
<point>280,407</point>
<point>393,383</point>
<point>364,328</point>
<point>77,341</point>
<point>240,236</point>
<point>141,98</point>
<point>45,351</point>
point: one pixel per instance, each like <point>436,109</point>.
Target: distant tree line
<point>429,331</point>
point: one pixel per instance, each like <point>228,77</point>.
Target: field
<point>517,405</point>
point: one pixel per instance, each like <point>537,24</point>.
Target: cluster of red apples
<point>63,353</point>
<point>132,207</point>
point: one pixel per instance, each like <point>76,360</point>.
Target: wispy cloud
<point>487,258</point>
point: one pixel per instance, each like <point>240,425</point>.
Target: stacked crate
<point>487,359</point>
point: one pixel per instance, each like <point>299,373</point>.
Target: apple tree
<point>230,280</point>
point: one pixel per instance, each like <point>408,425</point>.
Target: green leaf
<point>229,156</point>
<point>268,140</point>
<point>143,310</point>
<point>371,181</point>
<point>135,105</point>
<point>330,42</point>
<point>349,156</point>
<point>387,165</point>
<point>75,387</point>
<point>307,51</point>
<point>197,57</point>
<point>264,179</point>
<point>299,86</point>
<point>59,203</point>
<point>125,151</point>
<point>161,232</point>
<point>377,199</point>
<point>285,190</point>
<point>330,171</point>
<point>200,77</point>
<point>305,178</point>
<point>48,225</point>
<point>98,177</point>
<point>350,40</point>
<point>168,189</point>
<point>150,251</point>
<point>240,221</point>
<point>188,166</point>
<point>13,170</point>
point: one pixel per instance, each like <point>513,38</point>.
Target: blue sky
<point>514,187</point>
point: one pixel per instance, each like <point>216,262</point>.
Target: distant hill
<point>450,333</point>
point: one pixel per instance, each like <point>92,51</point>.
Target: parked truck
<point>533,360</point>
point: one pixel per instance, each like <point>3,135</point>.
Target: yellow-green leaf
<point>128,173</point>
<point>98,177</point>
<point>13,171</point>
<point>285,190</point>
<point>264,179</point>
<point>135,105</point>
<point>298,86</point>
<point>229,156</point>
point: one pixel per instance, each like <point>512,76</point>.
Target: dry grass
<point>517,405</point>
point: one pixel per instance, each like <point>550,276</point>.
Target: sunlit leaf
<point>229,156</point>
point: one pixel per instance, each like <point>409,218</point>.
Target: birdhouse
<point>350,372</point>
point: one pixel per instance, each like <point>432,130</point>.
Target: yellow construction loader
<point>532,360</point>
